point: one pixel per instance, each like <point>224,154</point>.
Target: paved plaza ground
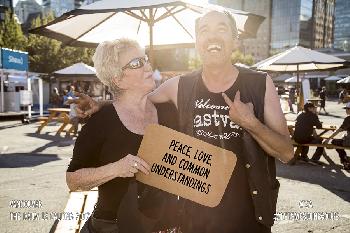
<point>32,167</point>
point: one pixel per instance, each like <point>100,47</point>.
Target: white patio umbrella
<point>344,80</point>
<point>333,78</point>
<point>150,22</point>
<point>299,59</point>
<point>291,80</point>
<point>282,78</point>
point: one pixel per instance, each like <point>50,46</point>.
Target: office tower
<point>342,25</point>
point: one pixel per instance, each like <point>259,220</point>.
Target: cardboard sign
<point>185,166</point>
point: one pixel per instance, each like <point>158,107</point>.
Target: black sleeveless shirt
<point>211,123</point>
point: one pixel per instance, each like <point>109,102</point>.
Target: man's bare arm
<point>273,136</point>
<point>165,92</point>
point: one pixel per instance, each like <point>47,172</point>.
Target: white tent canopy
<point>77,69</point>
<point>282,78</point>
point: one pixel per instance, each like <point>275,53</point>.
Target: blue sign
<point>13,59</point>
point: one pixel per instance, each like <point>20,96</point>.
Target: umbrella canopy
<point>299,59</point>
<point>344,80</point>
<point>282,78</point>
<point>333,78</point>
<point>150,22</point>
<point>78,69</point>
<point>291,80</point>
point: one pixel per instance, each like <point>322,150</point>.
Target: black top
<point>261,172</point>
<point>346,124</point>
<point>323,94</point>
<point>104,139</point>
<point>304,126</point>
<point>211,123</point>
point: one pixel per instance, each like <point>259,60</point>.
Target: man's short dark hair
<point>307,106</point>
<point>232,25</point>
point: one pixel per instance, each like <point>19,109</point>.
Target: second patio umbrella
<point>299,59</point>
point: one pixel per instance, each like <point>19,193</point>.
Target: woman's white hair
<point>106,61</point>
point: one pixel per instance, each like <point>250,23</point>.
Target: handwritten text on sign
<point>185,166</point>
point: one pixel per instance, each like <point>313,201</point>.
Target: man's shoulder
<point>192,74</point>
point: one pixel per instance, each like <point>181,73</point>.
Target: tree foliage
<point>11,35</point>
<point>48,55</point>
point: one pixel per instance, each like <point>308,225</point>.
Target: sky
<point>15,2</point>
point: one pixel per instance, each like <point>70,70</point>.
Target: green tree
<point>48,55</point>
<point>11,33</point>
<point>238,57</point>
<point>43,52</point>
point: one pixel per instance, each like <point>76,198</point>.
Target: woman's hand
<point>129,165</point>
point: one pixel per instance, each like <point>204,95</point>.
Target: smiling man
<point>236,109</point>
<point>252,126</point>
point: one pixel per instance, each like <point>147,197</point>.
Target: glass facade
<point>25,8</point>
<point>323,23</point>
<point>285,24</point>
<point>308,23</point>
<point>59,7</point>
<point>5,5</point>
<point>258,47</point>
<point>342,25</point>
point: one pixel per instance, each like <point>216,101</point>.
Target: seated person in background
<point>73,119</point>
<point>304,132</point>
<point>345,141</point>
<point>342,95</point>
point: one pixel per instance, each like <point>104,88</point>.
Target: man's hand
<point>85,105</point>
<point>240,113</point>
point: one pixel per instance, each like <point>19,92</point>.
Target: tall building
<point>308,23</point>
<point>258,47</point>
<point>24,9</point>
<point>5,5</point>
<point>59,7</point>
<point>87,2</point>
<point>323,14</point>
<point>342,25</point>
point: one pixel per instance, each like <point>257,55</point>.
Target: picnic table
<point>55,115</point>
<point>324,129</point>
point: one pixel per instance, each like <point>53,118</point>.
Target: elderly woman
<point>104,153</point>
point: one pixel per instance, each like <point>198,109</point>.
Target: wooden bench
<point>80,205</point>
<point>327,146</point>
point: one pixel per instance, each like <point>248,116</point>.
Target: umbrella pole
<point>298,91</point>
<point>151,24</point>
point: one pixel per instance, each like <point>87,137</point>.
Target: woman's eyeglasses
<point>136,63</point>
